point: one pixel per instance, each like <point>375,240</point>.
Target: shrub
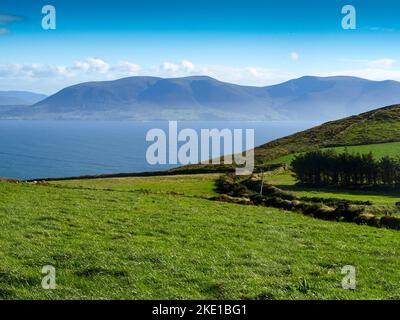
<point>390,222</point>
<point>230,184</point>
<point>280,203</point>
<point>347,213</point>
<point>257,199</point>
<point>336,201</point>
<point>226,198</point>
<point>365,218</point>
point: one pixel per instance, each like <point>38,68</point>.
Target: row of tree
<point>346,169</point>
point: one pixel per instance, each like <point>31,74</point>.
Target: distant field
<point>133,239</point>
<point>383,201</point>
<point>378,150</point>
<point>189,185</point>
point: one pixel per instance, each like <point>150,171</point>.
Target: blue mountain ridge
<point>205,98</point>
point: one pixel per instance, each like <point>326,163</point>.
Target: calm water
<point>38,149</point>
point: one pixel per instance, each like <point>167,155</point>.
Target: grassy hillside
<point>286,181</point>
<point>131,239</point>
<point>374,127</point>
<point>376,130</point>
<point>200,185</point>
<point>391,149</point>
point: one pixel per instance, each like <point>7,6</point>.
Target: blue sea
<point>53,149</point>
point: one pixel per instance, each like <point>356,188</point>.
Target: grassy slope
<point>380,150</point>
<point>384,202</point>
<point>287,182</point>
<point>190,185</point>
<point>359,134</point>
<point>379,126</point>
<point>140,245</point>
<point>374,127</point>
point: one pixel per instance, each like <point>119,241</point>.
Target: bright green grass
<point>190,185</point>
<point>370,132</point>
<point>140,245</point>
<point>379,150</point>
<point>383,201</point>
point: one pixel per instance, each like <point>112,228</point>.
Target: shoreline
<point>129,175</point>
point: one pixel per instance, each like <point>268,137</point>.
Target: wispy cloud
<point>99,69</point>
<point>381,63</point>
<point>385,63</point>
<point>381,29</point>
<point>90,67</point>
<point>7,19</point>
<point>250,75</point>
<point>377,74</point>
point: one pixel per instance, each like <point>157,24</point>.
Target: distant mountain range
<point>204,98</point>
<point>19,98</point>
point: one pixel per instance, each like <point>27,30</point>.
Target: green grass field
<point>384,202</point>
<point>189,185</point>
<point>391,149</point>
<point>134,239</point>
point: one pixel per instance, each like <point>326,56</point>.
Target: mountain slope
<point>332,97</point>
<point>377,126</point>
<point>150,98</point>
<point>14,98</point>
<point>204,98</point>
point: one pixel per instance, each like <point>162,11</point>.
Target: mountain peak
<point>202,97</point>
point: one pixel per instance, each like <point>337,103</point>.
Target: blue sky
<point>246,42</point>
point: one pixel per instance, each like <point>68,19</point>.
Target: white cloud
<point>169,67</point>
<point>92,65</point>
<point>294,56</point>
<point>188,66</point>
<point>95,69</point>
<point>172,69</point>
<point>373,64</point>
<point>126,68</point>
<point>243,75</point>
<point>381,63</point>
<point>22,71</point>
<point>376,74</point>
<point>378,70</point>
